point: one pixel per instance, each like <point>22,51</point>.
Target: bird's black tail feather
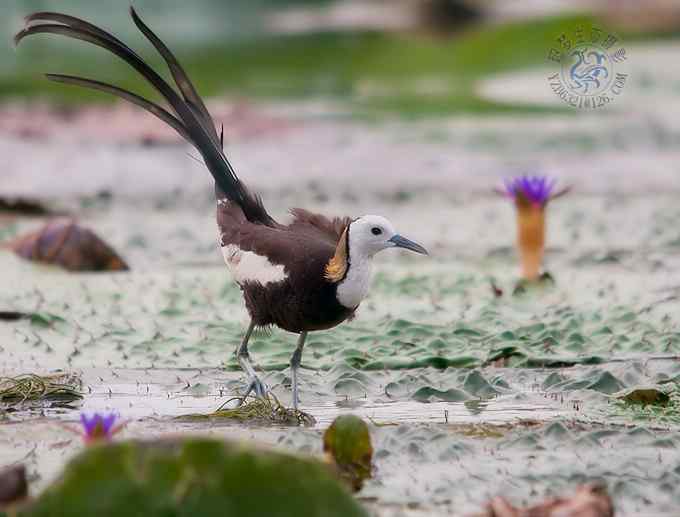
<point>188,115</point>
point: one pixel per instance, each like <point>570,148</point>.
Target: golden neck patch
<point>336,269</point>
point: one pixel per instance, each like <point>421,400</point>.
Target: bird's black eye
<point>376,231</point>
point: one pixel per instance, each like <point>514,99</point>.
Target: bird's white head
<point>351,265</point>
<point>370,234</point>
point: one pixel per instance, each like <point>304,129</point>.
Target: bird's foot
<point>256,386</point>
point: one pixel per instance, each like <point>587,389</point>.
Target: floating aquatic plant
<point>589,500</point>
<point>31,387</point>
<point>99,428</point>
<point>256,409</point>
<point>531,195</point>
<point>536,190</point>
<point>652,405</point>
<point>24,206</point>
<point>645,396</point>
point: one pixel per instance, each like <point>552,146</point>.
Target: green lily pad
<point>428,394</point>
<point>477,385</point>
<point>44,319</point>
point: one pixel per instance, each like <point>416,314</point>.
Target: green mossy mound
<point>348,442</point>
<point>192,477</point>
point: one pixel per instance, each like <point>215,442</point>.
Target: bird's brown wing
<point>299,246</point>
<point>317,225</point>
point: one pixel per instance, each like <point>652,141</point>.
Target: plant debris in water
<point>32,387</point>
<point>257,410</point>
<point>645,396</point>
<point>485,430</point>
<point>13,484</point>
<point>523,285</point>
<point>24,206</point>
<point>589,501</point>
<point>13,315</point>
<point>647,404</point>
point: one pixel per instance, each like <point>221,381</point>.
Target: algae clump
<point>30,387</point>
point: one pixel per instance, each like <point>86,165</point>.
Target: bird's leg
<point>295,365</point>
<point>255,384</point>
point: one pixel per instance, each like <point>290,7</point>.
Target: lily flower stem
<point>530,238</point>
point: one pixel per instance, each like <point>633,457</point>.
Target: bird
<point>308,275</point>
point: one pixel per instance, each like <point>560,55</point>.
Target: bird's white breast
<point>246,266</point>
<point>354,288</point>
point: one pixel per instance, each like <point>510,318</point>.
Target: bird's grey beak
<point>403,242</point>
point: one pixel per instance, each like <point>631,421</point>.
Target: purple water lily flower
<point>537,190</point>
<point>98,427</point>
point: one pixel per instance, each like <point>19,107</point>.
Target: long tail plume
<point>187,115</point>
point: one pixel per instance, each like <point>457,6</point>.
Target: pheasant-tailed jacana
<point>311,274</point>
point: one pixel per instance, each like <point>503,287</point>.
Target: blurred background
<point>402,57</point>
<point>462,69</point>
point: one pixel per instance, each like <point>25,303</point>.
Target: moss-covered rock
<point>192,477</point>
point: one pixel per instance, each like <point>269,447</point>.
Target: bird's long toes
<point>256,386</point>
<point>261,389</point>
